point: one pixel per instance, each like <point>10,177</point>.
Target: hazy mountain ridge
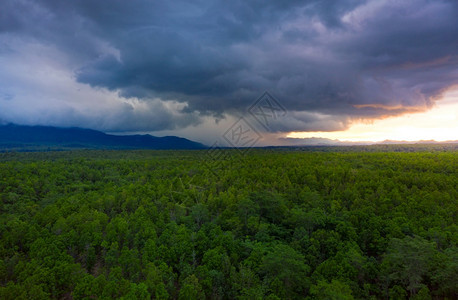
<point>335,142</point>
<point>20,137</point>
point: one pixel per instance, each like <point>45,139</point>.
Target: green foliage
<point>409,261</point>
<point>334,290</point>
<point>285,271</point>
<point>332,223</point>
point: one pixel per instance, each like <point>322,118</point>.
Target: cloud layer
<point>163,65</point>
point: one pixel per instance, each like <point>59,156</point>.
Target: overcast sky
<point>193,68</point>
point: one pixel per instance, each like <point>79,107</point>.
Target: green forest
<point>318,223</point>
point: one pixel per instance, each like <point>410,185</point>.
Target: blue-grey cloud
<point>327,62</point>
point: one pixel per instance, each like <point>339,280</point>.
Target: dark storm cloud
<point>328,62</point>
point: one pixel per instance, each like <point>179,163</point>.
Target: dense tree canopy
<point>272,224</point>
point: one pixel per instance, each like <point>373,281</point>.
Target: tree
<point>408,261</point>
<point>334,290</point>
<point>286,266</point>
<point>191,289</point>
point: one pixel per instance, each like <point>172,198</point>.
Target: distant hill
<point>23,138</point>
<point>305,142</point>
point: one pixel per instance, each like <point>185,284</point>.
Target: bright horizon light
<point>439,124</point>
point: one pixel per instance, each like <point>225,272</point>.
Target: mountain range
<point>20,137</point>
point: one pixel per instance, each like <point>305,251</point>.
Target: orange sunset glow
<point>439,124</point>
